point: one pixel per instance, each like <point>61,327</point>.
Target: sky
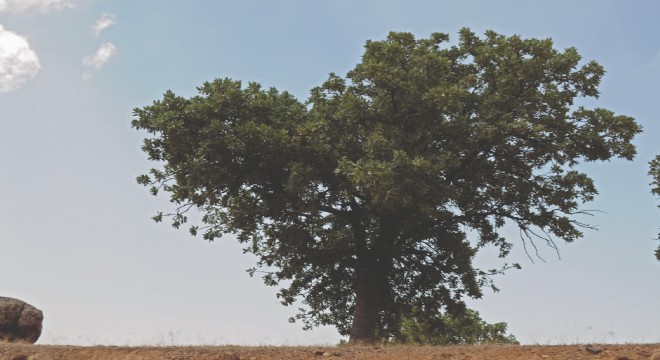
<point>76,238</point>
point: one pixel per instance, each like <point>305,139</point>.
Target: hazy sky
<point>76,238</point>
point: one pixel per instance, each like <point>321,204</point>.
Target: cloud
<point>18,63</point>
<point>101,57</point>
<point>103,23</point>
<point>43,5</point>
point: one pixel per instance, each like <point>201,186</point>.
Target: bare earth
<point>494,352</point>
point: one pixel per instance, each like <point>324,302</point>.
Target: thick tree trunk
<point>370,277</point>
<point>365,317</point>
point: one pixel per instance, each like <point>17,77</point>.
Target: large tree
<point>359,200</point>
<point>655,173</point>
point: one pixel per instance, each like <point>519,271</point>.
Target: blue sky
<point>76,237</point>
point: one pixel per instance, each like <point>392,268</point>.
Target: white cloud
<point>43,5</point>
<point>18,63</point>
<point>103,23</point>
<point>101,57</point>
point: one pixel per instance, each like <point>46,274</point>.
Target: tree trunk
<point>365,317</point>
<point>370,277</point>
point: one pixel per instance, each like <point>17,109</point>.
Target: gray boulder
<point>19,321</point>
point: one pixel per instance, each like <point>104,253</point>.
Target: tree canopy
<point>358,201</point>
<point>655,173</point>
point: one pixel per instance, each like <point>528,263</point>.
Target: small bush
<point>446,329</point>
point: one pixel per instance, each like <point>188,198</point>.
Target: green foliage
<point>655,173</point>
<point>360,198</point>
<point>448,329</point>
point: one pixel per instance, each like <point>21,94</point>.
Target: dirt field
<point>45,352</point>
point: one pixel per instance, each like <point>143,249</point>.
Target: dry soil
<point>48,352</point>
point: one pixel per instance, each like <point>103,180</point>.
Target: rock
<point>326,353</point>
<point>593,349</point>
<point>19,321</point>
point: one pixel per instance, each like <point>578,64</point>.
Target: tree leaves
<point>447,329</point>
<point>654,171</point>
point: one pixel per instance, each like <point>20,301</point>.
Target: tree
<point>359,199</point>
<point>655,173</point>
<point>447,329</point>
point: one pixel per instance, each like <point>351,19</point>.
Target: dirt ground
<point>48,352</point>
